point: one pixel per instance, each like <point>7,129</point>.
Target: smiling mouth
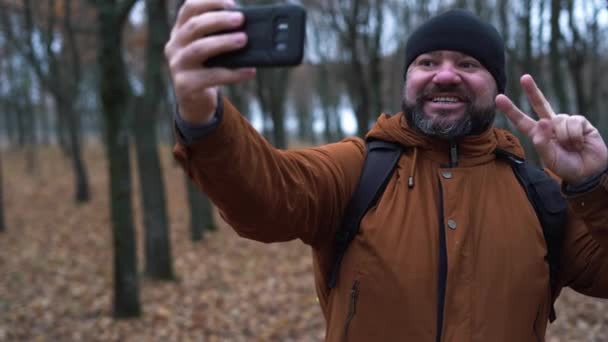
<point>444,99</point>
<point>447,99</point>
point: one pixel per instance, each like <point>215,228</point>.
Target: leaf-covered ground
<point>55,272</point>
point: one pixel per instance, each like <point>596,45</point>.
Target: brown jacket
<point>497,279</point>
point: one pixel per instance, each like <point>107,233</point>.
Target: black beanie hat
<point>462,31</point>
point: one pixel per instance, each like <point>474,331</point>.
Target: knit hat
<point>462,31</point>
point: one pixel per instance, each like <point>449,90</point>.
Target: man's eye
<point>426,62</point>
<point>469,65</point>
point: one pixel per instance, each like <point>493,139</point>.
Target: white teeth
<point>446,99</point>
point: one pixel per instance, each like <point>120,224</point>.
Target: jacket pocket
<point>352,307</point>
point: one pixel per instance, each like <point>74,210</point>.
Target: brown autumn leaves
<point>55,273</point>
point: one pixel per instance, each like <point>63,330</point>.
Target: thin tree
<point>115,95</point>
<point>521,60</point>
<point>359,25</point>
<point>58,70</point>
<point>271,90</point>
<point>328,88</point>
<point>2,220</point>
<point>158,261</point>
<point>201,212</point>
<point>201,209</point>
<point>555,58</point>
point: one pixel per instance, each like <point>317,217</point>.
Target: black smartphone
<point>275,38</point>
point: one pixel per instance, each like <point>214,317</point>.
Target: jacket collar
<point>471,150</point>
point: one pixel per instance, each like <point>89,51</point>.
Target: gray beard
<point>475,121</point>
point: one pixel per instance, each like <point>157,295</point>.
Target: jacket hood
<point>394,128</point>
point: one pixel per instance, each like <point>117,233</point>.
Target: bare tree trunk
<point>2,220</point>
<point>327,90</point>
<point>201,212</point>
<point>303,103</point>
<point>577,58</point>
<point>115,96</point>
<point>271,90</point>
<point>513,87</point>
<point>81,179</point>
<point>358,25</point>
<point>596,75</point>
<point>58,71</point>
<point>374,45</point>
<point>557,74</point>
<point>158,262</point>
<point>238,95</point>
<point>62,134</point>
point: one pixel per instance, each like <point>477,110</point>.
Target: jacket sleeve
<point>268,194</point>
<point>585,250</point>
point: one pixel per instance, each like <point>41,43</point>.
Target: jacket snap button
<point>452,224</point>
<point>447,174</point>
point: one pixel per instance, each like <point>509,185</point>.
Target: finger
<point>193,81</point>
<point>542,140</point>
<point>207,23</point>
<point>196,53</point>
<point>537,99</point>
<point>519,119</point>
<point>192,8</point>
<point>560,128</point>
<point>575,126</point>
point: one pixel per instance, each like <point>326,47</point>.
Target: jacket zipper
<point>442,271</point>
<point>442,266</point>
<point>352,308</point>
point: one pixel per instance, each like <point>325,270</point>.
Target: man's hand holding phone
<point>194,40</point>
<point>213,43</point>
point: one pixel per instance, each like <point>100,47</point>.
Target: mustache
<point>458,90</point>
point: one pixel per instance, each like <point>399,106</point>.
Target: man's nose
<point>447,74</point>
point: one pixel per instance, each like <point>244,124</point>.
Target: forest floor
<point>56,268</point>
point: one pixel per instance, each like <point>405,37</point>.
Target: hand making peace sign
<point>567,144</point>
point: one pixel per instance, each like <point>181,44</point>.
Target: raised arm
<point>574,150</point>
<point>264,193</point>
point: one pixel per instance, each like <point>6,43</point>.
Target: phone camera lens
<point>280,47</point>
<point>283,26</point>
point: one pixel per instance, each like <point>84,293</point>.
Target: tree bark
<point>201,211</point>
<point>2,220</point>
<point>238,94</point>
<point>57,71</point>
<point>271,90</point>
<point>201,217</point>
<point>557,73</point>
<point>158,261</point>
<point>81,179</point>
<point>596,76</point>
<point>115,96</point>
<point>358,25</point>
<point>577,59</point>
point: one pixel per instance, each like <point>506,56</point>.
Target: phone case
<point>275,34</point>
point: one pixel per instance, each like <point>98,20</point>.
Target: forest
<point>103,236</point>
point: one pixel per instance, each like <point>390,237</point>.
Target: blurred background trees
<point>77,74</point>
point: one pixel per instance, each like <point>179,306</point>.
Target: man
<point>453,250</point>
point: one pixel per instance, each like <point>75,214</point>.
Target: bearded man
<point>453,249</point>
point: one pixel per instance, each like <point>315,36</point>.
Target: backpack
<point>543,192</point>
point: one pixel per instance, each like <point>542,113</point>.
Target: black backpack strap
<point>380,161</point>
<point>551,208</point>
